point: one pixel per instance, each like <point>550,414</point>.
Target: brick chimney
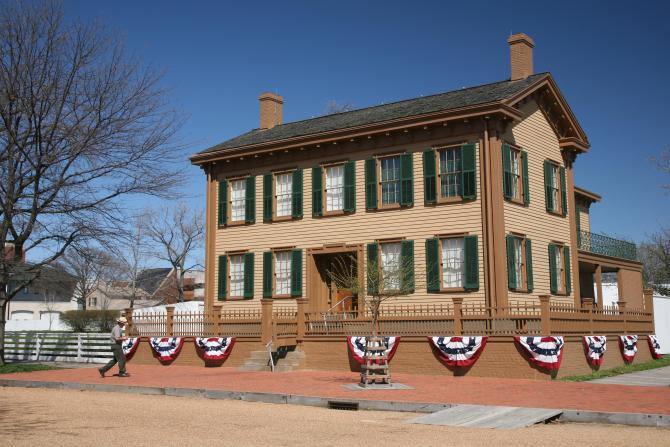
<point>521,55</point>
<point>271,110</point>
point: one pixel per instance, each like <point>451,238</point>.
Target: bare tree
<point>662,162</point>
<point>333,107</point>
<point>178,232</point>
<point>82,126</point>
<point>655,257</point>
<point>89,268</point>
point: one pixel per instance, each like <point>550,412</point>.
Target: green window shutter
<point>511,271</point>
<point>296,272</point>
<point>248,275</point>
<point>433,265</point>
<point>350,187</point>
<point>373,263</point>
<point>223,202</point>
<point>524,178</point>
<point>548,193</point>
<point>507,171</point>
<point>407,265</point>
<point>429,177</point>
<point>568,276</point>
<point>317,191</point>
<point>529,266</point>
<point>564,196</point>
<point>553,281</point>
<point>469,171</point>
<point>267,274</point>
<point>296,194</point>
<point>223,277</point>
<point>250,200</point>
<point>406,180</point>
<point>267,197</point>
<point>371,184</point>
<point>471,263</point>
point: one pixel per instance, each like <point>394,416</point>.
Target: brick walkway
<point>428,389</point>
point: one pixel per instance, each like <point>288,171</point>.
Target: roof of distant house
<point>150,279</point>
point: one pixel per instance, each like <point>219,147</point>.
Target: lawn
<point>651,364</point>
<point>24,367</point>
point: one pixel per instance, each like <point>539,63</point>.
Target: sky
<point>610,60</point>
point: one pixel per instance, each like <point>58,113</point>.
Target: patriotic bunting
<point>459,351</point>
<point>545,352</point>
<point>654,347</point>
<point>129,346</point>
<point>166,348</point>
<point>215,348</point>
<point>357,347</point>
<point>628,345</point>
<point>596,345</point>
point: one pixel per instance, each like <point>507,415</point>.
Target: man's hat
<point>121,320</point>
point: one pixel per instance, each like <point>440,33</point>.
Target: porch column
<point>569,158</point>
<point>619,286</point>
<point>210,240</point>
<point>599,285</point>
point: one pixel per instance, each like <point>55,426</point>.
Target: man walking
<point>116,338</point>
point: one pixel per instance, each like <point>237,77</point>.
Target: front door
<point>324,292</point>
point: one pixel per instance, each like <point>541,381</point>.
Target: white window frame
<point>238,188</point>
<point>452,263</point>
<point>236,276</point>
<point>283,194</point>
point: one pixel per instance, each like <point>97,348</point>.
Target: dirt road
<point>32,417</point>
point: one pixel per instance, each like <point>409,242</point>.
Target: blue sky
<point>610,60</point>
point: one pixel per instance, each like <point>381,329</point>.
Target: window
<point>515,175</point>
<point>519,264</point>
<point>390,180</point>
<point>453,263</point>
<point>334,190</point>
<point>283,194</point>
<point>282,273</point>
<point>390,266</point>
<point>236,278</point>
<point>559,269</point>
<point>450,172</point>
<point>237,200</point>
<point>554,183</point>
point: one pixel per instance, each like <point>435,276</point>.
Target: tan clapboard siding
<point>535,135</point>
<point>417,223</point>
<point>584,218</point>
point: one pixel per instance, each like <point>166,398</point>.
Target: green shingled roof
<point>482,94</point>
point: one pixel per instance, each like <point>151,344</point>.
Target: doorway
<point>323,293</point>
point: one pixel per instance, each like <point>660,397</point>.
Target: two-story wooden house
<point>475,185</point>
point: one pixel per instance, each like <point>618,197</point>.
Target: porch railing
<point>605,245</point>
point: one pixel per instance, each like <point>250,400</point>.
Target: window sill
<point>453,290</point>
<point>283,297</point>
<point>334,213</point>
<point>520,290</point>
<point>389,208</point>
<point>556,213</point>
<point>517,202</point>
<point>281,218</point>
<point>236,223</point>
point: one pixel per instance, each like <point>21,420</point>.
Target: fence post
<point>218,318</point>
<point>458,313</point>
<point>80,348</point>
<point>622,314</point>
<point>649,301</point>
<point>266,320</point>
<point>300,319</point>
<point>38,346</point>
<point>587,303</point>
<point>545,316</point>
<point>128,313</point>
<point>169,321</point>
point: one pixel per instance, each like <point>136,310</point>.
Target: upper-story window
<point>238,192</point>
<point>449,174</point>
<point>389,182</point>
<point>515,174</point>
<point>555,188</point>
<point>519,263</point>
<point>559,269</point>
<point>334,189</point>
<point>237,201</point>
<point>282,195</point>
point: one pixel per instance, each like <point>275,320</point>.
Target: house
<point>475,187</point>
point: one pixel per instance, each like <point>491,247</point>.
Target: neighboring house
<point>475,185</point>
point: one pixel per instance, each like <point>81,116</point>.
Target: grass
<point>651,364</point>
<point>24,367</point>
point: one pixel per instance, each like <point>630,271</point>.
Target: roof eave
<point>357,131</point>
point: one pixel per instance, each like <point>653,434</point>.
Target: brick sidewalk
<point>427,389</point>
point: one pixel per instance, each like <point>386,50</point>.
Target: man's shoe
<point>102,373</point>
<point>124,375</point>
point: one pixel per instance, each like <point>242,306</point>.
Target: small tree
<point>89,268</point>
<point>655,256</point>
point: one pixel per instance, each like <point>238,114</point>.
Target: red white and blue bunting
<point>628,344</point>
<point>215,348</point>
<point>459,351</point>
<point>654,347</point>
<point>545,352</point>
<point>357,347</point>
<point>596,345</point>
<point>166,348</point>
<point>129,346</point>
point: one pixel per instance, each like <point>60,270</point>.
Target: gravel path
<point>30,417</point>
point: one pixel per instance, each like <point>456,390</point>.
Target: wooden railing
<point>287,326</point>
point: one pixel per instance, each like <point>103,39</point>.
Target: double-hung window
<point>389,168</point>
<point>559,269</point>
<point>519,263</point>
<point>390,266</point>
<point>238,193</point>
<point>451,165</point>
<point>282,273</point>
<point>554,183</point>
<point>452,262</point>
<point>236,276</point>
<point>515,175</point>
<point>334,190</point>
<point>283,194</point>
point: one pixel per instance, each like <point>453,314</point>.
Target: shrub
<point>90,320</point>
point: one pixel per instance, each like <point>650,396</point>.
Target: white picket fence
<point>57,347</point>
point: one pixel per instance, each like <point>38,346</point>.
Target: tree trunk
<point>180,285</point>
